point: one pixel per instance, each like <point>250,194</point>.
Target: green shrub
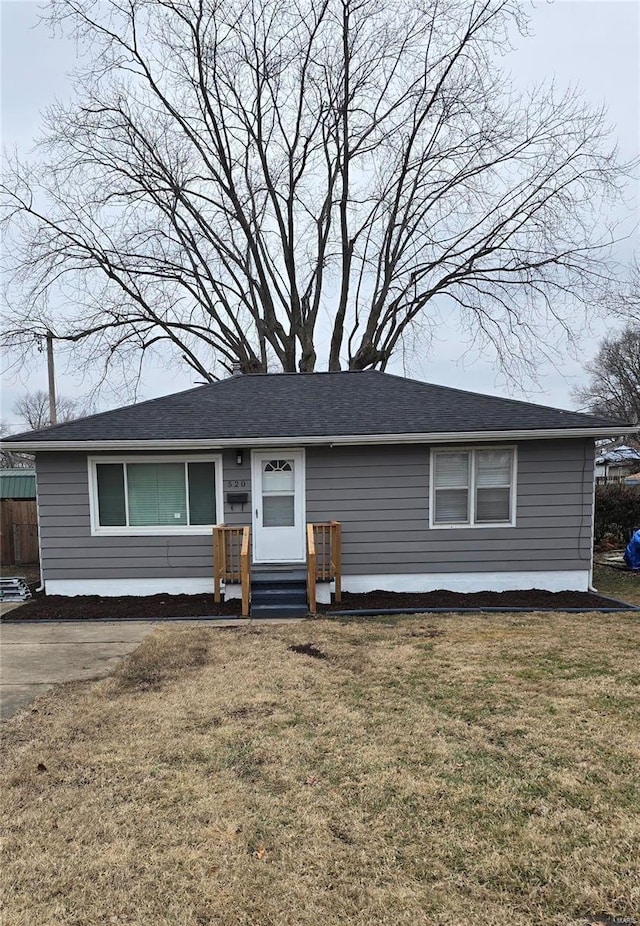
<point>617,513</point>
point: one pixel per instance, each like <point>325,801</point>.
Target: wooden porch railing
<point>231,561</point>
<point>324,559</point>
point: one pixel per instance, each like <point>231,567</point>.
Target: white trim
<point>554,581</point>
<point>112,588</point>
<point>551,581</point>
<point>203,530</point>
<point>438,437</point>
<point>473,525</point>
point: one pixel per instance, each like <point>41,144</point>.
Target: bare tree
<point>33,408</point>
<point>284,183</point>
<point>11,459</point>
<point>614,386</point>
<point>624,299</point>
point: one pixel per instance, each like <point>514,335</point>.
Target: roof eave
<point>325,439</point>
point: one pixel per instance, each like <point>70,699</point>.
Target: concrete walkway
<point>36,656</point>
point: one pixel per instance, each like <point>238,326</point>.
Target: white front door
<point>278,487</point>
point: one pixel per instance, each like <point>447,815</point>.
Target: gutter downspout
<point>593,523</point>
<point>41,587</point>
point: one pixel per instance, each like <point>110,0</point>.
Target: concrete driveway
<point>35,657</point>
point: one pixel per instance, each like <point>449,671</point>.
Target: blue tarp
<point>632,553</point>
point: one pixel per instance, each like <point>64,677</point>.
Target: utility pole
<point>52,379</point>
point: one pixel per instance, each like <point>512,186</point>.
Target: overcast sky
<point>593,44</point>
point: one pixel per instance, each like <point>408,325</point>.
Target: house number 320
<point>236,483</point>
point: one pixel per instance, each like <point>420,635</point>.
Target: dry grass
<point>479,771</point>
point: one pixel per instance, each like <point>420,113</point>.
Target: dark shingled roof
<point>303,405</point>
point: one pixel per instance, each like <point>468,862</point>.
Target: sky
<point>591,44</point>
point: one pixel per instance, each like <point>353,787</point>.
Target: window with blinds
<point>163,494</point>
<point>473,487</point>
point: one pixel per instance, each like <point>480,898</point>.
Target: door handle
<point>256,512</point>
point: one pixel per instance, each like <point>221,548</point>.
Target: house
<point>432,487</point>
<point>633,482</point>
<point>17,484</point>
<point>615,463</point>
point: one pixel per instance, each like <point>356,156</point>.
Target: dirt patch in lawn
<point>486,775</point>
<point>308,649</point>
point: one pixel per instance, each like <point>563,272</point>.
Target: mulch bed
<point>90,607</point>
<point>131,607</point>
<point>532,598</point>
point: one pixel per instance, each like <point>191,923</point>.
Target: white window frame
<point>472,524</point>
<point>156,530</point>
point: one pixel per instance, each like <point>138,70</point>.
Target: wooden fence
<point>18,531</point>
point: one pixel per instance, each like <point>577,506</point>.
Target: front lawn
<point>617,583</point>
<point>476,770</point>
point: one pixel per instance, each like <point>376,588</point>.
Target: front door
<point>278,487</point>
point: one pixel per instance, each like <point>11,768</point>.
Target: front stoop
<point>279,593</point>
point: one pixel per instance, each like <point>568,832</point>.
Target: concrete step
<point>287,594</point>
<point>290,577</point>
<point>282,609</point>
<point>279,593</point>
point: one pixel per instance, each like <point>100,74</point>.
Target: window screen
<point>156,494</point>
<point>472,487</point>
<point>493,485</point>
<point>111,500</point>
<point>451,481</point>
<point>202,493</point>
<point>278,493</point>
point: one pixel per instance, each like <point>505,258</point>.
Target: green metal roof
<point>17,483</point>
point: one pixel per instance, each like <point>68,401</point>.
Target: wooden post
<point>245,576</point>
<point>311,569</point>
<point>216,579</point>
<point>219,560</point>
<point>337,558</point>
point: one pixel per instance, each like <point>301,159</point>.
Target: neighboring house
<point>435,488</point>
<point>633,482</point>
<point>18,516</point>
<point>17,484</point>
<point>615,464</point>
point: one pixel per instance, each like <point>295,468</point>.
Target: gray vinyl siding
<point>70,552</point>
<point>381,496</point>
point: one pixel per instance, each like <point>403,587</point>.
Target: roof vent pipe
<point>236,368</point>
